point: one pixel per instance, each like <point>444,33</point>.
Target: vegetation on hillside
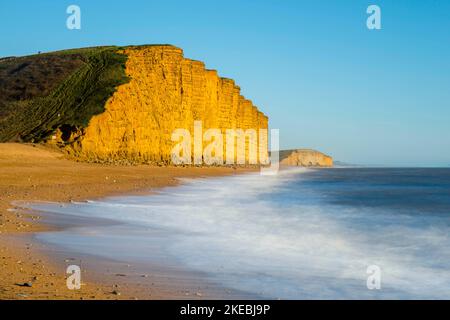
<point>63,89</point>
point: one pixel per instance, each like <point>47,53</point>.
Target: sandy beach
<point>37,173</point>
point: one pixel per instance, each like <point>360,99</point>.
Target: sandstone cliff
<point>305,158</point>
<point>166,91</point>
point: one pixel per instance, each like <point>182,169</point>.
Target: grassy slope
<point>66,88</point>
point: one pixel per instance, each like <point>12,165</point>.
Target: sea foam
<point>274,236</point>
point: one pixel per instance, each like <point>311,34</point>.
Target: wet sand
<point>37,173</point>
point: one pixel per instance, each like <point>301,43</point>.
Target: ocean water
<point>302,234</point>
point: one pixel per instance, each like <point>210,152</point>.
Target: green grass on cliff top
<point>43,92</point>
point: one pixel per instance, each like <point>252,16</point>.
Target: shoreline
<point>37,173</point>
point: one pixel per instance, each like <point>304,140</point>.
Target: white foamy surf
<point>269,235</point>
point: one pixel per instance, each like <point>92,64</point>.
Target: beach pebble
<point>25,284</point>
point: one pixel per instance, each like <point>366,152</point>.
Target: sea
<point>337,233</point>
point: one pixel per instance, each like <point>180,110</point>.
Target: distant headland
<point>305,158</point>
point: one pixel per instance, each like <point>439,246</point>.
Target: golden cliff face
<point>166,92</point>
<point>305,158</point>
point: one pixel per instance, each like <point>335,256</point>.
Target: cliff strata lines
<point>166,91</point>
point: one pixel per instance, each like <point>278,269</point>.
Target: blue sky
<point>325,80</point>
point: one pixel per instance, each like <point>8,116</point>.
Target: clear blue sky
<point>324,79</point>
